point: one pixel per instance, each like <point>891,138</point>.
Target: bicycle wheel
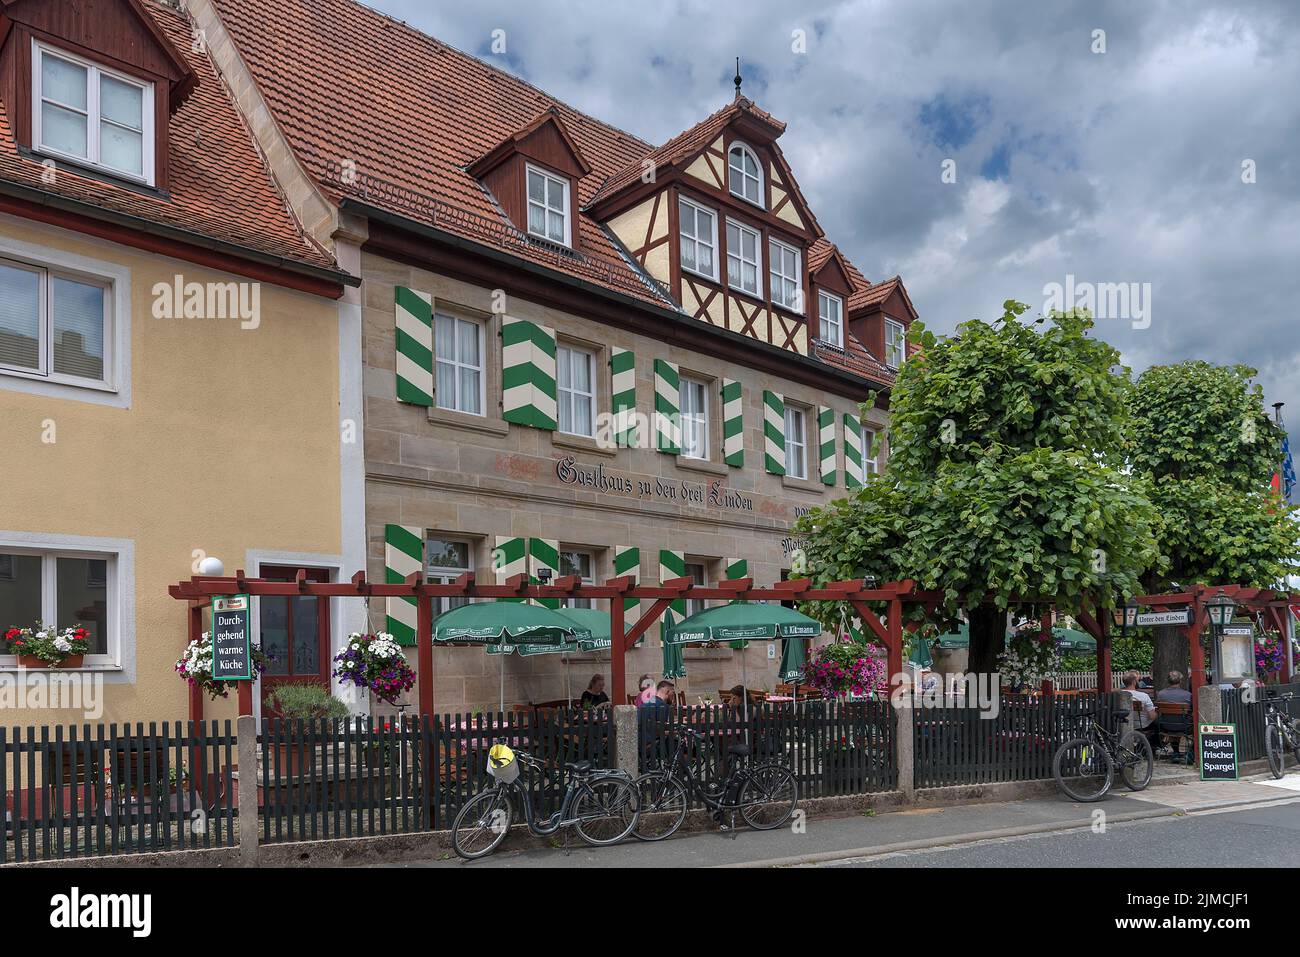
<point>768,797</point>
<point>662,807</point>
<point>606,810</point>
<point>1136,762</point>
<point>1274,751</point>
<point>482,824</point>
<point>1083,770</point>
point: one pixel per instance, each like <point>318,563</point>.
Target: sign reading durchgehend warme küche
<point>1182,616</point>
<point>1218,750</point>
<point>232,651</point>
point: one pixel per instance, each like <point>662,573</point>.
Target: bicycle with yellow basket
<point>600,803</point>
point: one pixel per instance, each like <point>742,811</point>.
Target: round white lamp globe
<point>212,566</point>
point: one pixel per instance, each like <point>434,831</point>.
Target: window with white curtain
<point>458,351</point>
<point>548,206</point>
<point>744,258</point>
<point>787,275</point>
<point>895,343</point>
<point>830,310</point>
<point>698,228</point>
<point>744,175</point>
<point>66,589</point>
<point>576,389</point>
<point>796,442</point>
<point>694,419</point>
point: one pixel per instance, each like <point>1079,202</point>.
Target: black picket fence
<point>958,743</point>
<point>350,778</point>
<point>834,748</point>
<point>1249,716</point>
<point>124,789</point>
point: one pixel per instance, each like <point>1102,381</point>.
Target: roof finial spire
<point>738,80</point>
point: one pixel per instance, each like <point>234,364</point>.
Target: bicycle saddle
<point>578,767</point>
<point>738,750</point>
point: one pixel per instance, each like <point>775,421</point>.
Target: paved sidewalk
<point>825,839</point>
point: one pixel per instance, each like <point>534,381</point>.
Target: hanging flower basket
<point>43,646</point>
<point>843,668</point>
<point>1029,659</point>
<point>195,666</point>
<point>376,663</point>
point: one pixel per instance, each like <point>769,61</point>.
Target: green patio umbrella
<point>506,623</point>
<point>921,656</point>
<point>742,621</point>
<point>510,627</point>
<point>792,660</point>
<point>527,650</point>
<point>674,663</point>
<point>594,621</point>
<point>1068,639</point>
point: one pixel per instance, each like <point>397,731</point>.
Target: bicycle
<point>1084,766</point>
<point>1281,731</point>
<point>763,794</point>
<point>601,804</point>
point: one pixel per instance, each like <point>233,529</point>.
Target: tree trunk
<point>988,638</point>
<point>1170,654</point>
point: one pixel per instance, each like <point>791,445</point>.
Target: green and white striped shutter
<point>826,440</point>
<point>544,553</point>
<point>672,565</point>
<point>622,367</point>
<point>627,562</point>
<point>414,346</point>
<point>667,405</point>
<point>852,451</point>
<point>736,568</point>
<point>509,558</point>
<point>733,424</point>
<point>403,555</point>
<point>528,374</point>
<point>773,433</point>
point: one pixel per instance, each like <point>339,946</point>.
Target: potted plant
<point>195,666</point>
<point>1029,659</point>
<point>375,662</point>
<point>44,646</point>
<point>302,702</point>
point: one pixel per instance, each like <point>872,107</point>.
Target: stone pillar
<point>1209,701</point>
<point>626,756</point>
<point>904,746</point>
<point>247,750</point>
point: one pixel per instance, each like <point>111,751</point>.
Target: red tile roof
<point>218,186</point>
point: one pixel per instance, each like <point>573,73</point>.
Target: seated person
<point>647,690</point>
<point>1146,716</point>
<point>1175,724</point>
<point>654,714</point>
<point>737,697</point>
<point>594,696</point>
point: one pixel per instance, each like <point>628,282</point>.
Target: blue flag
<point>1288,468</point>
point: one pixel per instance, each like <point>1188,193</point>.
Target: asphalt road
<point>1244,837</point>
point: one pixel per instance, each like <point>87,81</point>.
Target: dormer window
<point>744,175</point>
<point>895,340</point>
<point>548,206</point>
<point>830,311</point>
<point>91,115</point>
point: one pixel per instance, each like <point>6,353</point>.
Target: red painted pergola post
<point>196,632</point>
<point>1104,666</point>
<point>424,652</point>
<point>1197,653</point>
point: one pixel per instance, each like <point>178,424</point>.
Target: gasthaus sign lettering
<point>232,653</point>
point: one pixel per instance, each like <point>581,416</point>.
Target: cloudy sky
<point>1114,157</point>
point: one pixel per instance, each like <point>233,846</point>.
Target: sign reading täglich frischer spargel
<point>1218,749</point>
<point>232,650</point>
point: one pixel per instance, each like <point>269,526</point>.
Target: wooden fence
<point>1249,716</point>
<point>834,748</point>
<point>124,789</point>
<point>955,743</point>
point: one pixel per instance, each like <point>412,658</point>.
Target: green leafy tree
<point>1207,448</point>
<point>1000,488</point>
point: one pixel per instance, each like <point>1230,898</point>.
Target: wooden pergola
<point>886,625</point>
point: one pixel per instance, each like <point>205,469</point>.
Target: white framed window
<point>66,588</point>
<point>744,174</point>
<point>787,275</point>
<point>694,419</point>
<point>895,342</point>
<point>575,561</point>
<point>698,573</point>
<point>830,310</point>
<point>92,115</point>
<point>548,206</point>
<point>458,351</point>
<point>796,442</point>
<point>55,325</point>
<point>744,258</point>
<point>575,382</point>
<point>869,453</point>
<point>698,235</point>
<point>445,560</point>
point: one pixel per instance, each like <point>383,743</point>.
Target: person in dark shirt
<point>1174,724</point>
<point>653,715</point>
<point>595,695</point>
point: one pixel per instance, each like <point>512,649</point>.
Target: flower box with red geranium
<point>44,646</point>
